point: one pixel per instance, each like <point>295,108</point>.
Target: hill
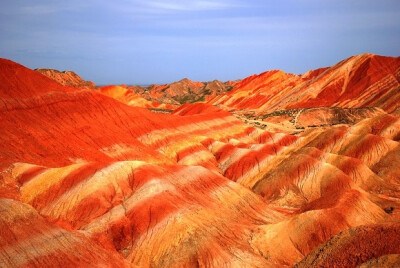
<point>66,78</point>
<point>85,178</point>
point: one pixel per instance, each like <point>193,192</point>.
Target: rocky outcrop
<point>66,78</point>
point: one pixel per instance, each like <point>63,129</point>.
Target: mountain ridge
<point>321,90</point>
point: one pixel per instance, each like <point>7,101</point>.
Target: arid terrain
<point>274,170</point>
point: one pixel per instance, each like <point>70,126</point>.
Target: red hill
<point>87,179</point>
<point>361,81</point>
<point>17,81</point>
<point>66,78</point>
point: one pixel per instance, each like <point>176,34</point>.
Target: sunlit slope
<point>360,81</point>
<point>87,162</point>
<point>125,186</point>
<point>127,96</point>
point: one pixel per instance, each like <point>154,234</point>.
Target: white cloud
<point>165,6</point>
<point>190,5</point>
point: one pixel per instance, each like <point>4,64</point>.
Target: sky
<point>161,41</point>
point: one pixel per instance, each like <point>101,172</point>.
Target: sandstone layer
<point>86,179</point>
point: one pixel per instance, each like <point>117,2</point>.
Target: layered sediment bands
<point>104,182</point>
<point>179,214</point>
<point>300,234</point>
<point>28,240</point>
<point>58,128</point>
<point>360,81</point>
<point>125,95</point>
<point>132,207</point>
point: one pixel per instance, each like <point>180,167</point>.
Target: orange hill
<point>361,81</point>
<point>125,95</point>
<point>87,179</point>
<point>66,78</point>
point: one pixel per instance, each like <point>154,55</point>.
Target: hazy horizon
<point>156,42</point>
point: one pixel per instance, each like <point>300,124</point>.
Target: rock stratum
<point>87,180</point>
<point>66,78</point>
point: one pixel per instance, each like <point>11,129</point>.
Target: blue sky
<point>160,41</point>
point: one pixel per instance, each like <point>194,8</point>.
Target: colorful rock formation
<point>361,81</point>
<point>86,179</point>
<point>66,78</point>
<point>125,95</point>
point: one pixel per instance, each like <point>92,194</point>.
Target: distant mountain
<point>183,91</point>
<point>152,96</point>
<point>128,96</point>
<point>66,78</point>
<point>365,80</point>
